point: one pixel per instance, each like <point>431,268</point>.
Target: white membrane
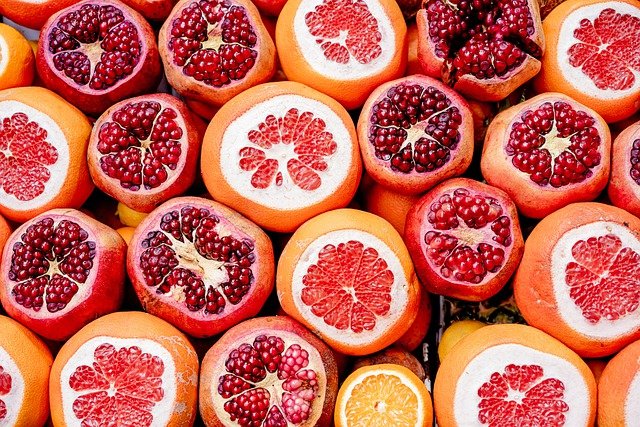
<point>58,170</point>
<point>632,403</point>
<point>348,391</point>
<point>352,70</point>
<point>287,196</point>
<point>399,289</point>
<point>162,410</point>
<point>496,358</point>
<point>4,54</point>
<point>271,383</point>
<point>13,400</point>
<point>569,311</point>
<point>566,39</point>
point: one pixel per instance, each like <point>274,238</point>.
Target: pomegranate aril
<point>231,385</point>
<point>635,161</point>
<point>270,349</point>
<point>275,418</point>
<point>250,408</point>
<point>245,362</point>
<point>294,359</point>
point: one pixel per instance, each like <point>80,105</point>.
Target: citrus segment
<point>383,395</point>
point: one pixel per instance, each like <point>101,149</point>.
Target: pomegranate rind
<point>339,183</point>
<point>195,323</point>
<point>124,329</point>
<point>533,200</point>
<point>619,388</point>
<point>31,363</point>
<point>211,404</point>
<point>414,182</point>
<point>553,77</point>
<point>153,10</point>
<point>179,179</point>
<point>623,191</point>
<point>144,77</point>
<point>188,87</point>
<point>333,228</point>
<point>487,90</point>
<point>350,91</point>
<point>536,284</point>
<point>495,347</point>
<point>100,294</point>
<point>418,225</point>
<point>74,126</point>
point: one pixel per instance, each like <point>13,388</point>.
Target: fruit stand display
<point>279,213</point>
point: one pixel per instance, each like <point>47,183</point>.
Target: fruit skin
<point>135,324</point>
<point>106,291</point>
<point>416,334</point>
<point>34,361</point>
<point>32,14</point>
<point>347,219</point>
<point>550,78</point>
<point>455,364</point>
<point>271,8</point>
<point>252,327</point>
<point>623,191</point>
<point>20,59</point>
<point>454,333</point>
<point>531,199</point>
<point>143,79</point>
<point>415,182</point>
<point>532,283</point>
<point>128,216</point>
<point>434,282</point>
<point>196,325</point>
<point>223,191</point>
<point>188,87</point>
<point>614,385</point>
<point>396,356</point>
<point>146,200</point>
<point>153,10</point>
<point>350,95</point>
<point>76,128</point>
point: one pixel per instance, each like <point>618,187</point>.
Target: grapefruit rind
<point>574,75</point>
<point>5,55</point>
<point>58,170</point>
<point>14,399</point>
<point>570,313</point>
<point>631,407</point>
<point>162,411</point>
<point>359,377</point>
<point>494,359</point>
<point>288,196</point>
<point>398,293</point>
<point>273,386</point>
<point>313,54</point>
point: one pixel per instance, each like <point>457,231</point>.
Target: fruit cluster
<point>241,213</point>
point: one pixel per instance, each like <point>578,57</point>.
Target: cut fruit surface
<point>619,389</point>
<point>592,55</point>
<point>624,185</point>
<point>344,48</point>
<point>43,149</point>
<point>555,151</point>
<point>25,362</point>
<point>383,395</point>
<point>584,291</point>
<point>127,368</point>
<point>464,238</point>
<point>415,132</point>
<point>200,266</point>
<point>521,376</point>
<point>281,153</point>
<point>347,275</point>
<point>268,371</point>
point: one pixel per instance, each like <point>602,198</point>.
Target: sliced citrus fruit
<point>125,369</point>
<point>43,153</point>
<point>383,395</point>
<point>624,184</point>
<point>25,362</point>
<point>578,279</point>
<point>344,48</point>
<point>513,375</point>
<point>619,389</point>
<point>347,275</point>
<point>593,55</point>
<point>281,153</point>
<point>17,60</point>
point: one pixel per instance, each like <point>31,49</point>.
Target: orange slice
<point>593,55</point>
<point>343,48</point>
<point>347,275</point>
<point>619,389</point>
<point>17,60</point>
<point>382,396</point>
